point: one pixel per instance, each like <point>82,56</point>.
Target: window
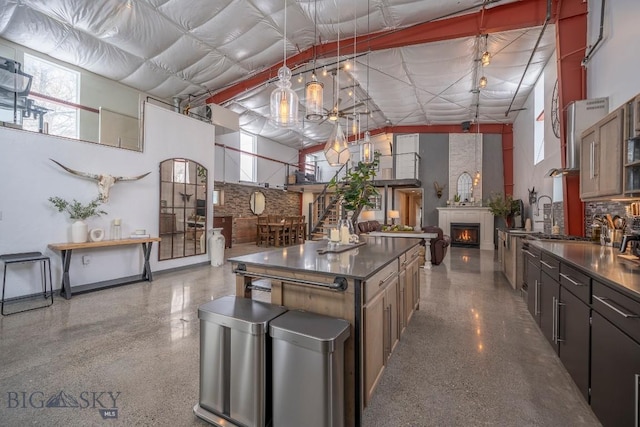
<point>247,161</point>
<point>538,124</point>
<point>56,82</point>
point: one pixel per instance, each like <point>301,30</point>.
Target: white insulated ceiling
<point>193,49</point>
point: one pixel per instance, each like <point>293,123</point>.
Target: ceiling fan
<point>336,112</point>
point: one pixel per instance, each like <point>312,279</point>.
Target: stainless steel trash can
<point>308,369</point>
<point>235,361</point>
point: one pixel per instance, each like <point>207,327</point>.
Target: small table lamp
<point>368,215</point>
<point>393,215</point>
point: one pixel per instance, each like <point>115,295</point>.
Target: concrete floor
<point>471,356</point>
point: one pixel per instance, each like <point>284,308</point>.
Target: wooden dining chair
<point>290,230</point>
<point>263,232</point>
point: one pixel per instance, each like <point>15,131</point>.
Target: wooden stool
<point>22,258</point>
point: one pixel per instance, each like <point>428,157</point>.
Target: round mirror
<point>465,184</point>
<point>257,202</point>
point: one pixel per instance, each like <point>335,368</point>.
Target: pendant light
<point>336,150</point>
<point>366,146</point>
<point>314,89</point>
<point>284,101</point>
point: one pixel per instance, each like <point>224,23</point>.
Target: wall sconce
<point>438,188</point>
<point>393,215</point>
<point>533,196</point>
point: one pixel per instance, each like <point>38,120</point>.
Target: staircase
<point>324,210</point>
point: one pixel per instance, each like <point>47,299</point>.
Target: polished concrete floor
<point>471,355</point>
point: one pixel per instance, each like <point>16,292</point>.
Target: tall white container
<point>216,246</point>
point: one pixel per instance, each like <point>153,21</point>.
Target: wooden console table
<point>67,248</point>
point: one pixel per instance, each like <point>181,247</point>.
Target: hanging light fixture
<point>483,82</point>
<point>485,59</point>
<point>366,146</point>
<point>336,150</point>
<point>284,101</point>
<point>314,89</point>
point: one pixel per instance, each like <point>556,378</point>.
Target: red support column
<point>571,42</point>
<point>507,158</point>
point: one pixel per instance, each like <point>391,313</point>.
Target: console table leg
<point>146,271</point>
<point>427,254</point>
<point>65,290</point>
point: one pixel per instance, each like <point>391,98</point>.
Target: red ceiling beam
<point>512,16</point>
<point>571,43</point>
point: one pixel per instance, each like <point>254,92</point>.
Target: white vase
<point>216,246</point>
<point>79,232</point>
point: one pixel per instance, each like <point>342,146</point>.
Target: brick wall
<point>236,201</point>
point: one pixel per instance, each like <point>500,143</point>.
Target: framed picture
<point>218,197</point>
<point>377,202</point>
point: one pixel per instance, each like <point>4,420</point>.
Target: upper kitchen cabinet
<point>601,157</point>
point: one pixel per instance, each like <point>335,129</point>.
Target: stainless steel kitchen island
<point>375,287</point>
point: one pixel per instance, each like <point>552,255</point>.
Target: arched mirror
<point>183,209</point>
<point>257,202</point>
<point>465,184</point>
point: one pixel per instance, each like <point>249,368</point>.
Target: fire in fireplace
<point>465,235</point>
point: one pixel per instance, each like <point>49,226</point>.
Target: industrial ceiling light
<point>284,101</point>
<point>366,146</point>
<point>486,59</point>
<point>314,93</point>
<point>336,150</point>
<point>483,82</point>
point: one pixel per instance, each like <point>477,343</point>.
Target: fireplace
<point>465,235</point>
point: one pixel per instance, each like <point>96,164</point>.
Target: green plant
<point>356,187</point>
<point>503,206</point>
<point>456,198</point>
<point>77,210</point>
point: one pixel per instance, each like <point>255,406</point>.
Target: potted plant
<point>356,187</point>
<point>78,212</point>
<point>456,199</point>
<point>504,207</point>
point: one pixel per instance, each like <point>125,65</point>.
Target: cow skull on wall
<point>105,181</point>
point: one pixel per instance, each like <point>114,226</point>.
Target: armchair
<point>439,244</point>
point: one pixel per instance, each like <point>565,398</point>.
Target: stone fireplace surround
<point>469,215</point>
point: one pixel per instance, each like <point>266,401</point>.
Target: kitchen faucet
<point>538,207</point>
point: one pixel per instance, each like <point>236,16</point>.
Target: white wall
<point>526,175</point>
<point>29,222</point>
<point>614,65</point>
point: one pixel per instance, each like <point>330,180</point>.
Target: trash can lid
<point>241,314</point>
<point>310,330</point>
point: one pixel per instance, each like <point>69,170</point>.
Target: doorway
<point>409,203</point>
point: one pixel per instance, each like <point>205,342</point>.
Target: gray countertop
<point>600,262</point>
<point>359,263</point>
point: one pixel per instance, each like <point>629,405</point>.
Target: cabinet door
<point>615,374</point>
<point>609,165</point>
<point>391,305</point>
<point>413,269</point>
<point>588,154</point>
<point>549,295</point>
<point>374,343</point>
<point>403,303</point>
<point>533,290</point>
<point>573,339</point>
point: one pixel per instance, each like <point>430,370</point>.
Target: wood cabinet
<point>409,284</point>
<point>532,261</point>
<point>381,332</point>
<point>246,229</point>
<point>226,223</point>
<point>601,157</point>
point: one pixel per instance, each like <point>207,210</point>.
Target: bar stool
<point>24,257</point>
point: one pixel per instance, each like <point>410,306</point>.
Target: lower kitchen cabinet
<point>381,333</point>
<point>532,279</point>
<point>573,338</point>
<point>549,295</point>
<point>615,374</point>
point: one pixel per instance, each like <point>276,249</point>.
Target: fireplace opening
<point>465,235</point>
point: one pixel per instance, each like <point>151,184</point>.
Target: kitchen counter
<point>371,258</point>
<point>601,262</point>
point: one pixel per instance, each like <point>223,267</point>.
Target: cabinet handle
<point>592,155</point>
<point>549,266</point>
<point>535,301</point>
<point>531,254</point>
<point>596,158</point>
<point>390,329</point>
<point>558,304</point>
<point>637,400</point>
<point>553,319</point>
<point>387,319</point>
<point>617,310</point>
<point>573,282</point>
<point>386,278</point>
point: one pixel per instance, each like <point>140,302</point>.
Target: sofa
<point>438,244</point>
<point>369,226</point>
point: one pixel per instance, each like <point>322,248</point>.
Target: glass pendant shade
<point>366,149</point>
<point>314,101</point>
<point>284,101</point>
<point>483,82</point>
<point>486,59</point>
<point>336,150</point>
